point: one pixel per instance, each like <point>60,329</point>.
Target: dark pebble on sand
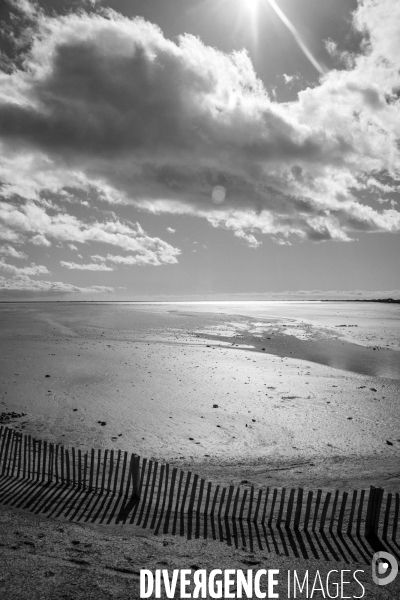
<point>389,443</point>
<point>47,375</point>
<point>373,389</point>
<point>215,405</point>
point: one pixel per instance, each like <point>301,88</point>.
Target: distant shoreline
<point>378,300</point>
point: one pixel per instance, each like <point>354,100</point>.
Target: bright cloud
<point>17,271</point>
<point>87,267</point>
<point>8,250</point>
<point>145,258</point>
<point>26,284</point>
<point>107,104</point>
<point>32,222</point>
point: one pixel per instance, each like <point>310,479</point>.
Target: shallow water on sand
<point>359,337</point>
<point>330,352</point>
<point>369,333</point>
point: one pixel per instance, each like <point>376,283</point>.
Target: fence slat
<point>185,492</point>
<point>281,506</point>
<point>67,467</point>
<point>316,509</point>
<point>271,514</point>
<point>15,453</point>
<point>242,505</point>
<point>352,511</point>
<point>299,506</point>
<point>11,440</point>
<point>386,517</point>
<point>24,468</point>
<point>39,460</point>
<point>29,444</point>
<point>73,457</point>
<point>214,503</point>
<point>62,464</point>
<point>396,517</point>
<point>91,471</point>
<point>341,513</point>
<point>289,509</point>
<point>44,460</point>
<point>235,503</point>
<point>308,510</point>
<point>124,462</point>
<point>257,506</point>
<point>250,503</point>
<point>4,434</point>
<point>103,476</point>
<point>265,506</point>
<point>333,513</point>
<point>56,459</point>
<point>325,509</point>
<point>359,512</point>
<point>79,469</point>
<point>221,502</point>
<point>229,500</point>
<point>110,471</point>
<point>51,459</point>
<point>116,473</point>
<point>193,494</point>
<point>98,468</point>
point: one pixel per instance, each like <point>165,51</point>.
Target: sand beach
<point>221,390</point>
<point>208,384</point>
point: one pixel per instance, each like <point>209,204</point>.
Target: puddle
<point>332,353</point>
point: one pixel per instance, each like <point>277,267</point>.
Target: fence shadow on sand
<point>115,488</point>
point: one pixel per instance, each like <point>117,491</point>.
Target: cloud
<point>145,258</point>
<point>8,250</point>
<point>87,267</point>
<point>40,240</point>
<point>25,284</point>
<point>107,105</point>
<point>34,223</point>
<point>171,230</point>
<point>17,271</point>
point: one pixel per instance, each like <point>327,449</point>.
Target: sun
<point>250,9</point>
<point>251,5</point>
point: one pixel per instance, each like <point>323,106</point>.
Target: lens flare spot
<point>218,194</point>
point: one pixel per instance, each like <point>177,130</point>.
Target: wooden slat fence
<point>23,456</point>
<point>159,494</point>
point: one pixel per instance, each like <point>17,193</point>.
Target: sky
<point>199,149</point>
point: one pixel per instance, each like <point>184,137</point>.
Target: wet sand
<point>154,376</point>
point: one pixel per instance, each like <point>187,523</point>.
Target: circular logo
<point>384,564</point>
